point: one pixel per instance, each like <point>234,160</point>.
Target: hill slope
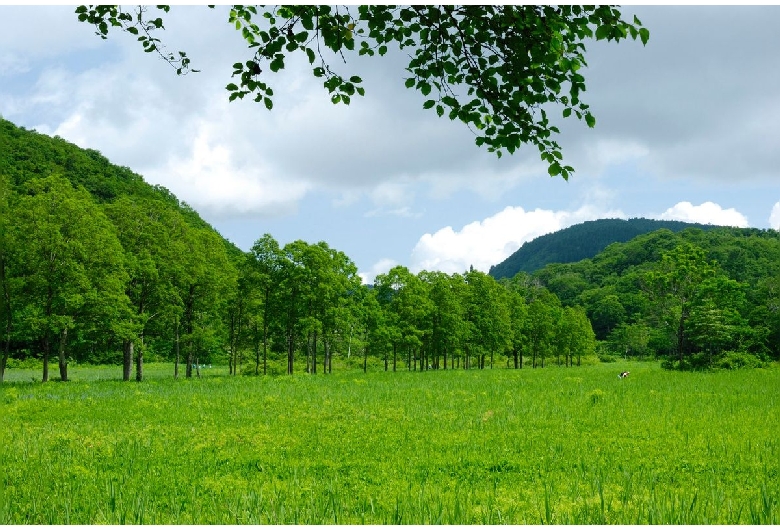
<point>580,241</point>
<point>26,154</point>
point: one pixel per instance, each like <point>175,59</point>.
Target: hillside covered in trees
<point>698,297</point>
<point>96,266</point>
<point>579,242</point>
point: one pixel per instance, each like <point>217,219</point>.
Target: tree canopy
<point>499,69</point>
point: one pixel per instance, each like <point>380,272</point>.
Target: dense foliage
<point>110,270</point>
<point>579,242</point>
<point>97,266</point>
<point>699,297</point>
<point>496,68</point>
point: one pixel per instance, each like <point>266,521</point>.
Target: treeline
<point>699,298</point>
<point>124,280</point>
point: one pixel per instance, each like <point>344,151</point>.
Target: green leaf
<point>554,169</point>
<point>409,82</point>
<point>566,112</point>
<point>355,79</point>
<point>268,103</point>
<point>602,32</point>
<point>428,104</point>
<point>439,110</point>
<point>232,87</point>
<point>644,34</point>
<point>590,120</point>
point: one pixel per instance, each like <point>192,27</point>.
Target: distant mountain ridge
<point>581,241</point>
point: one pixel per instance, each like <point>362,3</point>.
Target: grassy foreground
<point>555,445</point>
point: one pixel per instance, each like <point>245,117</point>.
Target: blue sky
<point>687,128</point>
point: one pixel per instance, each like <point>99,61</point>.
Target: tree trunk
<point>8,321</point>
<point>681,336</point>
<point>176,342</point>
<point>257,351</point>
<point>61,355</point>
<point>139,360</point>
<point>46,352</point>
<point>6,353</point>
<point>190,359</point>
<point>290,352</point>
<point>365,360</point>
<point>326,364</point>
<point>127,359</point>
<point>395,356</point>
<point>514,354</point>
<point>314,357</point>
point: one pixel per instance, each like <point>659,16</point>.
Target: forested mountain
<point>94,260</point>
<point>26,154</point>
<point>696,296</point>
<point>578,242</point>
<point>96,266</point>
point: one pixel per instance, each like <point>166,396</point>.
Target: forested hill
<point>26,154</point>
<point>580,241</point>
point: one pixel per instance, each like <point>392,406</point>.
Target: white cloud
<point>212,180</point>
<point>705,213</point>
<point>380,267</point>
<point>774,217</point>
<point>484,243</point>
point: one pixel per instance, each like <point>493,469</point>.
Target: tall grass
<point>557,445</point>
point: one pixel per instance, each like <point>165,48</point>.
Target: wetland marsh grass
<point>554,445</point>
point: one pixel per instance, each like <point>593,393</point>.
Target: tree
<point>447,295</point>
<point>575,335</point>
<point>71,263</point>
<point>6,248</point>
<point>488,312</point>
<point>674,285</point>
<point>265,265</point>
<point>144,228</point>
<point>204,279</point>
<point>404,297</point>
<point>497,68</point>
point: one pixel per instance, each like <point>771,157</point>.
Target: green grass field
<point>552,445</point>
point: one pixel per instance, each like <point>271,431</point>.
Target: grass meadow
<point>553,445</point>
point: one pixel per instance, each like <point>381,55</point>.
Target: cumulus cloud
<point>774,217</point>
<point>482,244</point>
<point>705,213</point>
<point>216,183</point>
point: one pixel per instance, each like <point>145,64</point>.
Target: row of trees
<point>87,281</point>
<point>308,299</point>
<point>82,280</point>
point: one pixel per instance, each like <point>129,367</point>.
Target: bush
<point>732,360</point>
<point>29,363</point>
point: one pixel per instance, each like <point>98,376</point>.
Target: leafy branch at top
<point>499,69</point>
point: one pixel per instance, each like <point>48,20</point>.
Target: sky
<point>687,128</point>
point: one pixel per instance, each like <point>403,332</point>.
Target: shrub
<point>732,360</point>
